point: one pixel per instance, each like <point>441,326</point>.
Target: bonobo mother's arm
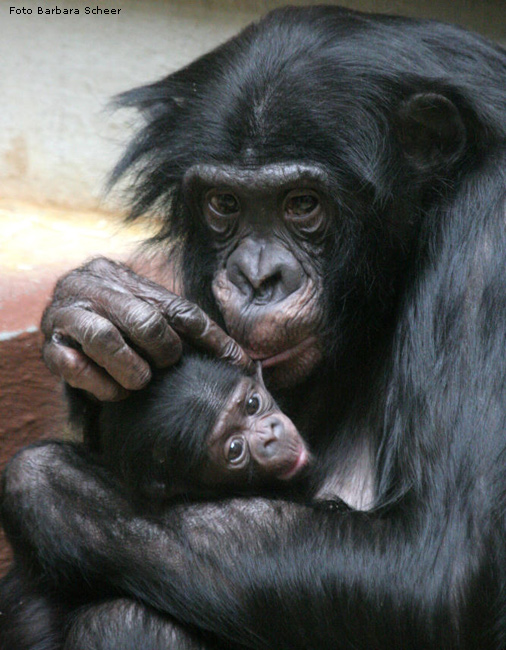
<point>265,574</point>
<point>103,313</point>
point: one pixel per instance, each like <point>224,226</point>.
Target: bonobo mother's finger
<point>106,288</point>
<point>79,371</point>
<point>116,317</point>
<point>185,317</point>
<point>143,325</point>
<point>103,343</point>
<point>195,326</point>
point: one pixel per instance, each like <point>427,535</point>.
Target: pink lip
<point>286,355</point>
<point>302,459</point>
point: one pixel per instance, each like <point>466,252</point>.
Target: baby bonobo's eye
<point>253,404</point>
<point>236,450</point>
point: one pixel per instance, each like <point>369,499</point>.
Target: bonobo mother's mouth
<point>284,356</point>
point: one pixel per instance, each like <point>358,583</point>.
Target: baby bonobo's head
<point>203,427</point>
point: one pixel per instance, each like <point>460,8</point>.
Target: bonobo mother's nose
<point>264,272</point>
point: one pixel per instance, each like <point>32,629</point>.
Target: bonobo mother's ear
<point>432,131</point>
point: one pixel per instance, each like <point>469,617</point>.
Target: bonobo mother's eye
<point>303,209</point>
<point>224,204</point>
<point>236,451</point>
<point>220,209</point>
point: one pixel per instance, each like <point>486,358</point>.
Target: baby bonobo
<point>202,428</point>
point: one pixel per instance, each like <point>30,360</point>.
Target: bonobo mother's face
<point>267,225</point>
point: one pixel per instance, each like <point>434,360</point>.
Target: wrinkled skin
<point>111,301</point>
<point>267,285</point>
<point>252,445</point>
<point>335,184</point>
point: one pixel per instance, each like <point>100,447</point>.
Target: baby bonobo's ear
<point>258,374</point>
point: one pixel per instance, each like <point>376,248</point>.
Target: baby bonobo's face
<point>252,441</point>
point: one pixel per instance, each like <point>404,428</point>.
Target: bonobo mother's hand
<point>106,323</point>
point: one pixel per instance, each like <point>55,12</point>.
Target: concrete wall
<point>58,72</point>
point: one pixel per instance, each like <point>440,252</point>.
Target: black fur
<point>175,414</point>
<point>415,366</point>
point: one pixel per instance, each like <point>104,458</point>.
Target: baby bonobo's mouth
<point>302,460</point>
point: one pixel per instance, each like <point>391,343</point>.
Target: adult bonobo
<point>335,182</point>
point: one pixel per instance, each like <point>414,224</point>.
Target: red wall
<point>30,405</point>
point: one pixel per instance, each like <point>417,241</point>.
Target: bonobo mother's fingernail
<point>168,354</point>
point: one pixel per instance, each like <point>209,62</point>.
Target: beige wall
<point>56,141</point>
